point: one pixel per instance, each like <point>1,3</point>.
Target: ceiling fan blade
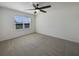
<point>34,5</point>
<point>35,12</point>
<point>30,9</point>
<point>37,4</point>
<point>45,7</point>
<point>42,11</point>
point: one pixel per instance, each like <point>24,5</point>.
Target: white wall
<point>62,21</point>
<point>7,24</point>
<point>0,23</point>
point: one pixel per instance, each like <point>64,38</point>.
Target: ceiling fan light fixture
<point>37,11</point>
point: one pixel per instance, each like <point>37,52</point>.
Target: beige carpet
<point>38,45</point>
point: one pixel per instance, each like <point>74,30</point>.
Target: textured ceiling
<point>23,6</point>
<point>20,6</point>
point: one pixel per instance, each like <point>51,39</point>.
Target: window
<point>22,22</point>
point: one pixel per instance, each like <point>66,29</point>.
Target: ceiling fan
<point>37,8</point>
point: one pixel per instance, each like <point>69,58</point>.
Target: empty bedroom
<point>39,28</point>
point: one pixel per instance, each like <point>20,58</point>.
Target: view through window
<point>22,22</point>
